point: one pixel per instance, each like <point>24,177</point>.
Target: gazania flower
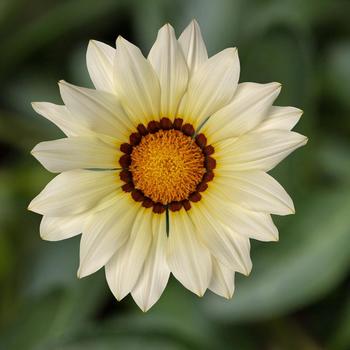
<point>164,166</point>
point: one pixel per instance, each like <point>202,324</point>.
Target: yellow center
<point>167,166</point>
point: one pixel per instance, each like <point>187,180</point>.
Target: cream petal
<point>99,61</point>
<point>61,117</point>
<point>262,151</point>
<point>245,222</point>
<point>222,280</point>
<point>136,83</point>
<point>169,63</point>
<point>250,104</point>
<point>280,118</point>
<point>104,233</point>
<point>230,248</point>
<point>77,191</point>
<point>56,228</point>
<point>155,273</point>
<point>211,87</point>
<point>124,268</point>
<point>256,191</point>
<point>98,111</point>
<point>89,152</point>
<point>188,259</point>
<point>193,46</point>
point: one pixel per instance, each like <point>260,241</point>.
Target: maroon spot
<point>208,150</point>
<point>188,129</point>
<point>137,195</point>
<point>178,123</point>
<point>126,148</point>
<point>147,203</point>
<point>135,138</point>
<point>158,208</point>
<point>142,130</point>
<point>210,163</point>
<point>166,124</point>
<point>201,140</point>
<point>186,204</point>
<point>208,176</point>
<point>175,206</point>
<point>128,187</point>
<point>202,187</point>
<point>125,175</point>
<point>195,197</point>
<point>153,126</point>
<point>125,161</point>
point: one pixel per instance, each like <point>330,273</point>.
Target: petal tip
<point>34,105</point>
<point>62,83</point>
<point>228,295</point>
<point>120,40</point>
<point>200,292</point>
<point>168,25</point>
<point>247,270</point>
<point>276,85</point>
<point>120,295</point>
<point>84,270</point>
<point>32,206</point>
<point>80,273</point>
<point>144,307</point>
<point>44,237</point>
<point>275,239</point>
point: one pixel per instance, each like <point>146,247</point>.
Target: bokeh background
<point>298,295</point>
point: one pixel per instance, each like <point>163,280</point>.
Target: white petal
<point>255,190</point>
<point>123,270</point>
<point>193,46</point>
<point>250,104</point>
<point>189,260</point>
<point>245,222</point>
<point>104,233</point>
<point>222,280</point>
<point>77,191</point>
<point>96,110</point>
<point>230,248</point>
<point>155,273</point>
<point>99,61</point>
<point>56,228</point>
<point>60,116</point>
<point>89,152</point>
<point>280,118</point>
<point>211,87</point>
<point>136,83</point>
<point>261,151</point>
<point>169,63</point>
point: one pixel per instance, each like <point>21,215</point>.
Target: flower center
<point>167,166</point>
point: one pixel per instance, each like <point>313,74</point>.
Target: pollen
<point>167,166</point>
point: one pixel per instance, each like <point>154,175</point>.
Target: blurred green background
<point>298,295</point>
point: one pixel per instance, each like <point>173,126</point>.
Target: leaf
<point>311,259</point>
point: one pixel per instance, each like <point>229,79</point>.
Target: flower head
<point>164,166</point>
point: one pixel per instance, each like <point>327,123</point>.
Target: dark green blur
<point>298,294</point>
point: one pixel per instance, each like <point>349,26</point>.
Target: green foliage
<point>297,296</point>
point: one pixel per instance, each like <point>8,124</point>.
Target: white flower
<point>164,166</point>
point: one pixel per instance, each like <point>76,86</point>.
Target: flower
<point>164,166</point>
